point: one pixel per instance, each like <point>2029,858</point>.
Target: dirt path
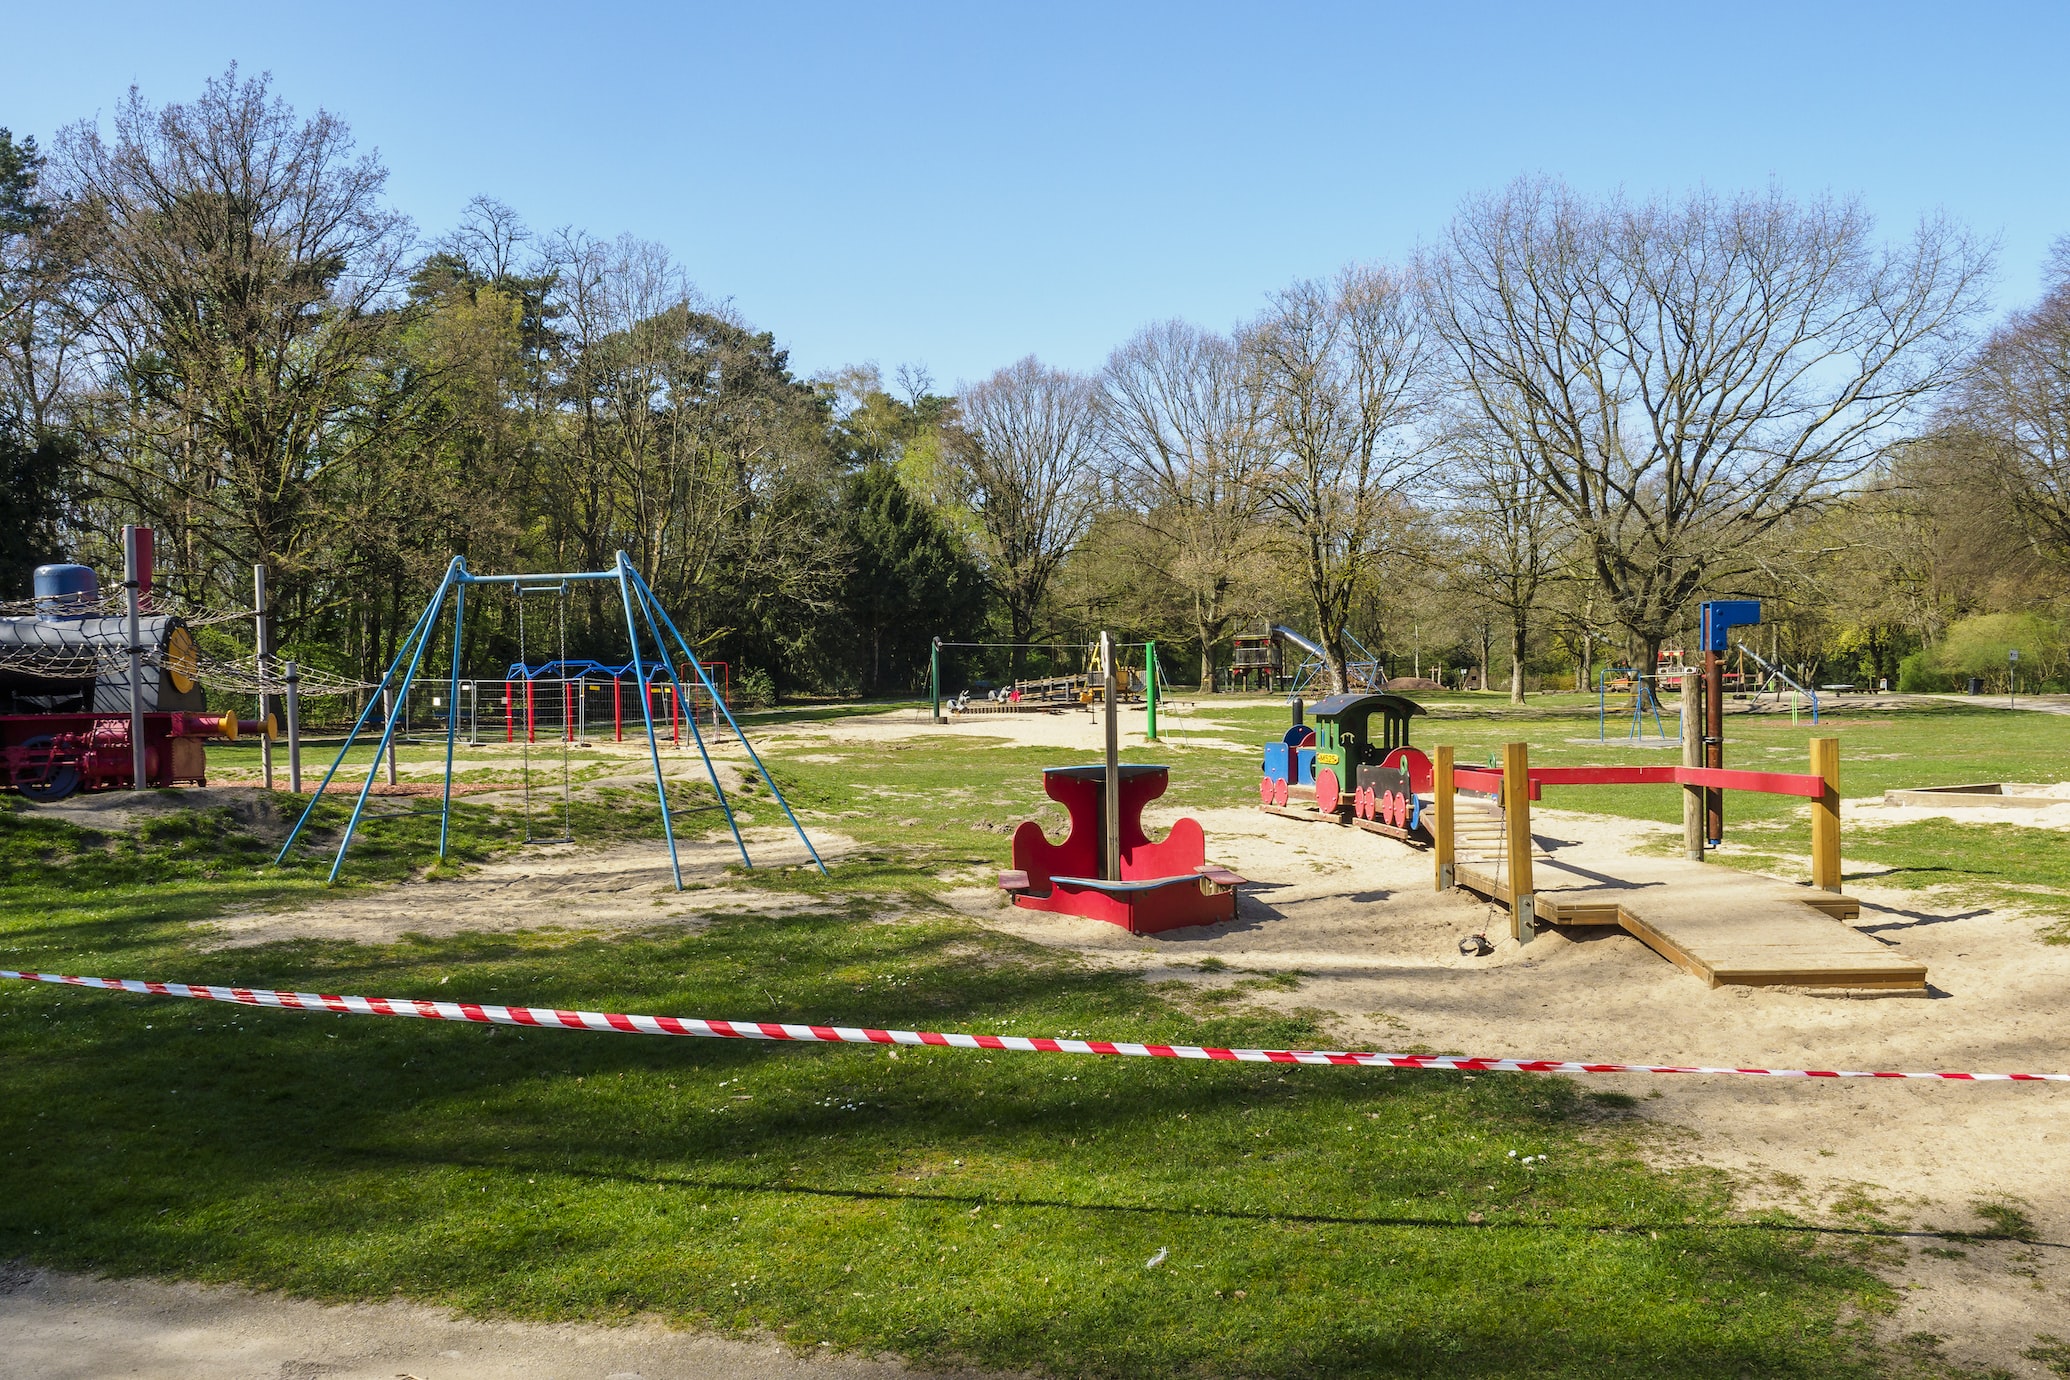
<point>59,1327</point>
<point>1357,916</point>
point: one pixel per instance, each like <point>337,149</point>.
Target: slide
<point>1281,630</point>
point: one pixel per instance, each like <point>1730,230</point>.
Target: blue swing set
<point>634,594</point>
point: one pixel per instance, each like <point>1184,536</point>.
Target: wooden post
<point>1692,756</point>
<point>1516,820</point>
<point>1825,816</point>
<point>1443,839</point>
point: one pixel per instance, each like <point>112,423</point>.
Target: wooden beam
<point>1443,832</point>
<point>1516,815</point>
<point>1825,816</point>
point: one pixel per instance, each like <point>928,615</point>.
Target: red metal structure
<point>50,756</point>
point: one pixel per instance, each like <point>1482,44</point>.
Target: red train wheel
<point>1327,793</point>
<point>1279,794</point>
<point>1264,790</point>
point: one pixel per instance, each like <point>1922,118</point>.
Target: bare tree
<point>1025,449</point>
<point>240,263</point>
<point>685,439</point>
<point>1507,542</point>
<point>1182,418</point>
<point>1341,367</point>
<point>1692,374</point>
<point>2013,414</point>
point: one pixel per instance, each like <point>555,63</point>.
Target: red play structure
<point>1162,886</point>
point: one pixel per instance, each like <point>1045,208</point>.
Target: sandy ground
<point>552,887</point>
<point>54,1327</point>
<point>1378,947</point>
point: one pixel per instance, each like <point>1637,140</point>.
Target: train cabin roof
<point>1365,704</point>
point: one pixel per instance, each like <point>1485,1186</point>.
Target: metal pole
<point>655,610</point>
<point>1110,796</point>
<point>132,581</point>
<point>388,736</point>
<point>1150,686</point>
<point>632,633</point>
<point>292,703</point>
<point>445,804</point>
<point>934,677</point>
<point>263,642</point>
<point>1692,756</point>
<point>1714,743</point>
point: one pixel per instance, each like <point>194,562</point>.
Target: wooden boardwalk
<point>1727,928</point>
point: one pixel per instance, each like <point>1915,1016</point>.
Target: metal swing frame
<point>634,593</point>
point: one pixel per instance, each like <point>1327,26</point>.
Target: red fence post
<point>531,723</point>
<point>617,712</point>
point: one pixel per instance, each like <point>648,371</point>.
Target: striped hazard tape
<point>552,1018</point>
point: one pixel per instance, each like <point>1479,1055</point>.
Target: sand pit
<point>550,887</point>
<point>1356,915</point>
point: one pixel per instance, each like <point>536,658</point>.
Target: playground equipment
<point>1388,778</point>
<point>1107,868</point>
<point>1776,673</point>
<point>1259,661</point>
<point>1727,928</point>
<point>1644,700</point>
<point>90,702</point>
<point>1360,673</point>
<point>1054,693</point>
<point>634,594</point>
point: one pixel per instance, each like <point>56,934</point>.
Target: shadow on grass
<point>995,1209</point>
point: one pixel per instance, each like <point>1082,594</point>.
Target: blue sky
<point>958,186</point>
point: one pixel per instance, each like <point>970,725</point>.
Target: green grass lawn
<point>945,1205</point>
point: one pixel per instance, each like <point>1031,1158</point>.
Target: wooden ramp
<point>1727,928</point>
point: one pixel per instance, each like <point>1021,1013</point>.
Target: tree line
<point>1526,451</point>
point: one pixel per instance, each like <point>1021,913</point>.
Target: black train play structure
<point>65,695</point>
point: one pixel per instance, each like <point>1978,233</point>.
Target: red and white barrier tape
<point>547,1018</point>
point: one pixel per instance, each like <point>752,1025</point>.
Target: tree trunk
<point>1518,637</point>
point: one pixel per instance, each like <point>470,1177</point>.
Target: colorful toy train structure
<point>1360,740</point>
<point>68,719</point>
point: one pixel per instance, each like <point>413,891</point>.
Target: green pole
<point>934,677</point>
<point>1150,685</point>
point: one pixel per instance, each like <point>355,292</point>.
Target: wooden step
<point>1728,928</point>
